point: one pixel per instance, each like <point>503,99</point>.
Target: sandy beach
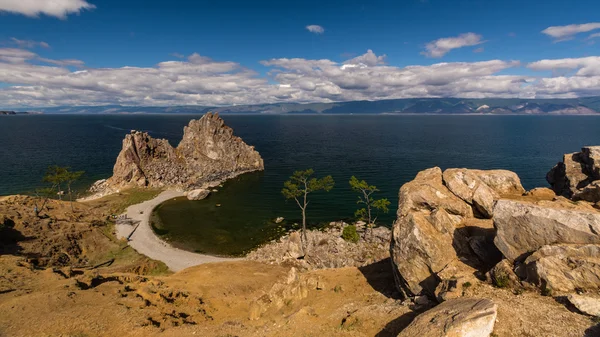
<point>146,242</point>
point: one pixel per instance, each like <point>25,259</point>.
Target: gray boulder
<point>575,172</point>
<point>587,305</point>
<point>565,268</point>
<point>462,317</point>
<point>524,227</point>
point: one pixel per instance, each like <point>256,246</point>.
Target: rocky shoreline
<point>208,154</point>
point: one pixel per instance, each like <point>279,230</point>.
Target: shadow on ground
<point>380,278</point>
<point>393,328</point>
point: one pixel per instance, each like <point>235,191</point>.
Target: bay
<point>386,150</point>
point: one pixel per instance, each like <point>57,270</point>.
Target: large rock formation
<point>436,234</point>
<point>208,152</point>
<point>455,318</point>
<point>578,175</point>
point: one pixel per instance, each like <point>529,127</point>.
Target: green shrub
<point>349,234</point>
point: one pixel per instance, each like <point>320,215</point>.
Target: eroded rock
<point>455,318</point>
<point>207,153</point>
<point>197,194</point>
<point>577,170</point>
<point>587,305</point>
<point>524,227</point>
<point>565,268</point>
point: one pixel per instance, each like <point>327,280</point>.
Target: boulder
<point>463,317</point>
<point>541,193</point>
<point>466,185</point>
<point>207,153</point>
<point>575,172</point>
<point>481,188</point>
<point>503,276</point>
<point>564,268</point>
<point>197,194</point>
<point>524,227</point>
<point>423,233</point>
<point>585,304</point>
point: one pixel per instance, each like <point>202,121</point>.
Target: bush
<point>349,234</point>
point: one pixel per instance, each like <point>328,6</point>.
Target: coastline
<point>146,242</point>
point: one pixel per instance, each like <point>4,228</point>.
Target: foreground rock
<point>197,194</point>
<point>578,175</point>
<point>436,236</point>
<point>585,304</point>
<point>208,152</point>
<point>326,249</point>
<point>524,227</point>
<point>564,268</point>
<point>455,318</point>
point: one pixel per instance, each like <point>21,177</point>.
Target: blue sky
<point>240,48</point>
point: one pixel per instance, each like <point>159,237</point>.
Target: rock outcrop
<point>564,268</point>
<point>436,234</point>
<point>455,318</point>
<point>209,152</point>
<point>326,248</point>
<point>523,227</point>
<point>578,175</point>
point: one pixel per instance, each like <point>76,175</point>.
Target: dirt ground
<point>49,287</point>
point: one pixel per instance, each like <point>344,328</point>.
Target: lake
<point>385,150</point>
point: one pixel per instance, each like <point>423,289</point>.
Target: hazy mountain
<point>571,106</point>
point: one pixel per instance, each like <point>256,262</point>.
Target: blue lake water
<point>385,150</point>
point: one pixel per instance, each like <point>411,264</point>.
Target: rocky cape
<point>208,154</point>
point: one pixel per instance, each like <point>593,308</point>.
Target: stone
<point>541,193</point>
<point>590,192</point>
<point>587,305</point>
<point>503,276</point>
<point>565,268</point>
<point>577,170</point>
<point>279,219</point>
<point>325,249</point>
<point>482,188</point>
<point>462,317</point>
<point>467,186</point>
<point>208,152</point>
<point>197,194</point>
<point>524,227</point>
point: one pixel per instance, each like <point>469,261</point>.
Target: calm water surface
<point>385,150</point>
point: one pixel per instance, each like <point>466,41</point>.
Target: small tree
<point>57,176</point>
<point>299,186</point>
<point>70,178</point>
<point>43,195</point>
<point>366,197</point>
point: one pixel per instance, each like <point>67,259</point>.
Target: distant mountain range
<point>496,106</point>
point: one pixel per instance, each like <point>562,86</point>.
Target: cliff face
<point>209,151</point>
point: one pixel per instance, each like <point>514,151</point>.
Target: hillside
<point>496,106</point>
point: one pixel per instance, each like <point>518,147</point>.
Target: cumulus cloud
<point>315,29</point>
<point>56,8</point>
<point>563,33</point>
<point>441,47</point>
<point>199,80</point>
<point>29,44</point>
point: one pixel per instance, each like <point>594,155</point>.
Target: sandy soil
<point>145,242</point>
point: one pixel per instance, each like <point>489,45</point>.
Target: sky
<point>214,53</point>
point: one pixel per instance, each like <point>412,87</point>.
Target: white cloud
<point>441,47</point>
<point>593,36</point>
<point>315,29</point>
<point>29,44</point>
<point>37,81</point>
<point>479,50</point>
<point>33,8</point>
<point>563,33</point>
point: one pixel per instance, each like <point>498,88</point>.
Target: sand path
<point>145,242</point>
